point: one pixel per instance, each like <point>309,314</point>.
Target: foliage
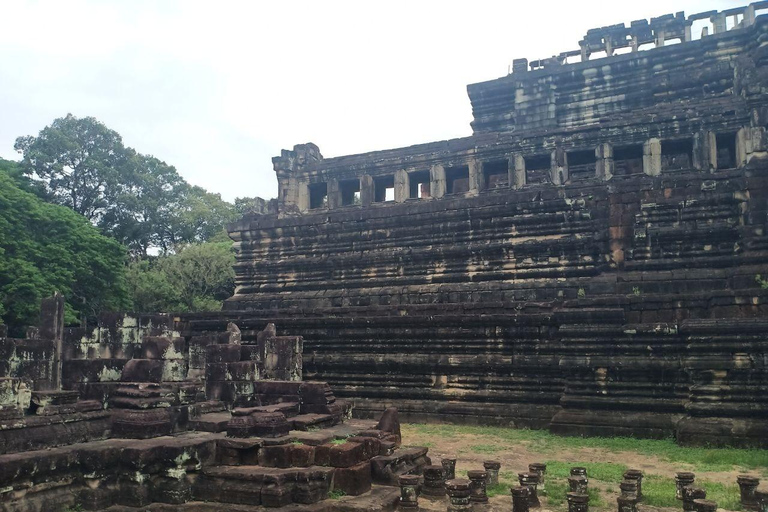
<point>138,199</point>
<point>46,248</point>
<point>196,278</point>
<point>336,494</point>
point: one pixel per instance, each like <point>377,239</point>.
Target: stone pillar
<point>366,190</point>
<point>652,157</point>
<point>303,196</point>
<point>476,177</point>
<point>402,188</point>
<point>579,471</point>
<point>334,193</point>
<point>604,161</point>
<point>437,181</point>
<point>520,499</point>
<point>742,139</point>
<point>629,489</point>
<point>689,495</point>
<point>718,23</point>
<point>289,191</point>
<point>683,479</point>
<point>531,481</point>
<point>458,491</point>
<point>409,491</point>
<point>702,505</point>
<point>578,484</point>
<point>52,328</point>
<point>637,476</point>
<point>517,171</point>
<point>705,151</point>
<point>539,468</point>
<point>749,16</point>
<point>578,502</point>
<point>449,468</point>
<point>559,173</point>
<point>477,486</point>
<point>627,504</point>
<point>492,468</point>
<point>748,486</point>
<point>434,482</point>
<point>661,36</point>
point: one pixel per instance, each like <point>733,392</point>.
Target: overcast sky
<point>217,88</point>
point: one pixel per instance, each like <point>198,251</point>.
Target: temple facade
<point>592,259</point>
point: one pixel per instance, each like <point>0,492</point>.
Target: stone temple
<point>592,260</point>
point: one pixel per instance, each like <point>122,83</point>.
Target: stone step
<point>307,421</point>
<point>258,485</point>
<point>211,422</point>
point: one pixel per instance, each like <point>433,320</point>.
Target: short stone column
<point>409,491</point>
<point>449,468</point>
<point>517,174</point>
<point>477,486</point>
<point>531,481</point>
<point>629,489</point>
<point>578,484</point>
<point>626,504</point>
<point>748,486</point>
<point>437,181</point>
<point>702,505</point>
<point>683,479</point>
<point>540,469</point>
<point>402,186</point>
<point>652,157</point>
<point>458,491</point>
<point>434,482</point>
<point>492,468</point>
<point>636,475</point>
<point>762,501</point>
<point>689,495</point>
<point>520,498</point>
<point>578,502</point>
<point>579,471</point>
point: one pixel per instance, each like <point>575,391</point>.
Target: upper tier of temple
<point>697,104</point>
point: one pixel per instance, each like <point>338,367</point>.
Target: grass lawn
<point>606,459</point>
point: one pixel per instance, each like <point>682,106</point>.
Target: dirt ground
<point>515,459</point>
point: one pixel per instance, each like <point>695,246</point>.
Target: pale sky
<point>219,88</point>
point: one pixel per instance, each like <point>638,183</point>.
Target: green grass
<point>704,459</point>
<point>604,471</point>
<point>339,441</point>
<point>336,494</point>
<point>485,448</point>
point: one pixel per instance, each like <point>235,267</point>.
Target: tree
<point>138,199</point>
<point>78,161</point>
<point>196,278</point>
<point>46,248</point>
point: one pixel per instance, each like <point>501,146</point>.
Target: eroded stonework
<point>591,260</point>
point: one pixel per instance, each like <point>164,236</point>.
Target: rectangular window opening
<point>383,189</point>
<point>496,174</point>
<point>676,155</point>
<point>726,150</point>
<point>418,183</point>
<point>538,169</point>
<point>457,179</point>
<point>350,192</point>
<point>318,195</point>
<point>628,160</point>
<point>582,165</point>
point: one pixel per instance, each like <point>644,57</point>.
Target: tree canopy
<point>137,199</point>
<point>46,248</point>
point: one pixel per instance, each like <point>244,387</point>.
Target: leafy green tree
<point>78,161</point>
<point>196,278</point>
<point>137,199</point>
<point>46,248</point>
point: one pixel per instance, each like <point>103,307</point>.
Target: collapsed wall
<point>591,260</point>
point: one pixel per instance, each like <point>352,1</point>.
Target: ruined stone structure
<point>592,259</point>
<point>130,415</point>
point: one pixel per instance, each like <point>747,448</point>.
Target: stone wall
<point>589,260</point>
